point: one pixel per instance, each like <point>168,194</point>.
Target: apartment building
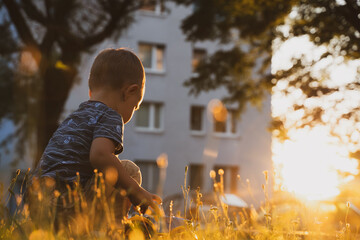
<point>180,128</point>
<point>173,130</point>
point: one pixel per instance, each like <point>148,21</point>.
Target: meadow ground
<point>280,217</point>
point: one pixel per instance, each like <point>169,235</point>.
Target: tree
<point>333,24</point>
<point>40,49</point>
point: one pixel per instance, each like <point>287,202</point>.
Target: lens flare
<point>311,165</point>
<point>162,160</point>
<point>218,110</point>
<point>29,61</point>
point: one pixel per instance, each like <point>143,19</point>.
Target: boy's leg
<point>117,197</point>
<point>46,199</point>
<point>122,203</point>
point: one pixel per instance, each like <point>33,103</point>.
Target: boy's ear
<point>89,93</point>
<point>132,89</point>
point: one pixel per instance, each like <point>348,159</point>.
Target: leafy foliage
<point>253,27</point>
<point>249,26</point>
<point>335,25</point>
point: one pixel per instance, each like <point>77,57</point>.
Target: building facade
<point>173,126</point>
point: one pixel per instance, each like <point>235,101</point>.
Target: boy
<point>91,136</point>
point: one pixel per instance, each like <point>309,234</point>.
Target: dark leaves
<point>254,25</point>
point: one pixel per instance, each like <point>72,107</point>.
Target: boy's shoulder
<point>94,106</point>
<point>89,115</point>
<point>93,110</point>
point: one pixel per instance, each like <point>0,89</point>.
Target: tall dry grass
<point>278,217</point>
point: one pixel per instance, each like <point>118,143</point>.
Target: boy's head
<point>114,68</point>
<point>120,74</point>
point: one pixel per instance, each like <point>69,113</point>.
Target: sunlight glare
<point>311,166</point>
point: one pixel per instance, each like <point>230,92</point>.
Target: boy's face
<point>132,102</point>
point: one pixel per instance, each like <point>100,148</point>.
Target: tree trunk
<point>57,83</point>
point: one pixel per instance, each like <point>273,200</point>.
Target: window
<point>150,174</point>
<point>196,175</point>
<point>230,177</point>
<point>149,117</point>
<point>197,118</point>
<point>154,6</point>
<point>198,56</point>
<point>152,57</point>
<point>227,127</point>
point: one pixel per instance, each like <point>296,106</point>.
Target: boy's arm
<point>102,157</point>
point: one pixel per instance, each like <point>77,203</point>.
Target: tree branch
<point>20,24</point>
<point>47,8</point>
<point>90,41</point>
<point>33,12</point>
<point>121,11</point>
<point>48,41</point>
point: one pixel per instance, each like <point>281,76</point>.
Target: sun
<point>312,165</point>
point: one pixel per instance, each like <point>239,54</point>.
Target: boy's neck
<point>109,98</point>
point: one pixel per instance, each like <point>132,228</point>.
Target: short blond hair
<point>115,67</point>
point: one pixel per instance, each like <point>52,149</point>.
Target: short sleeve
<point>110,125</point>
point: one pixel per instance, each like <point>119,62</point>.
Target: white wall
<point>251,150</point>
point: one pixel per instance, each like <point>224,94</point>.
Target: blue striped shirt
<point>69,148</point>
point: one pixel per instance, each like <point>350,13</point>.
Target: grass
<point>287,218</point>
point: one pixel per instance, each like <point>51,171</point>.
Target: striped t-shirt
<point>69,148</point>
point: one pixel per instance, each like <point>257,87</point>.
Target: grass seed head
<point>347,226</point>
<point>111,176</point>
<point>83,204</point>
<point>35,184</point>
<point>26,210</point>
<point>171,206</point>
<point>212,174</point>
<point>18,199</point>
<point>40,196</point>
<point>123,192</point>
<point>266,175</point>
<point>49,182</point>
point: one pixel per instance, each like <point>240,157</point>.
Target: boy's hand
<point>144,199</point>
<point>102,156</point>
